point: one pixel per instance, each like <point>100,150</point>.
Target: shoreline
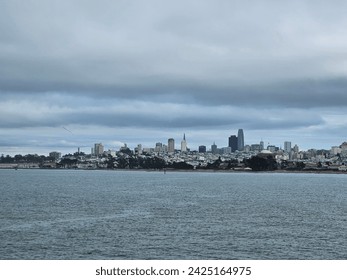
<point>281,171</point>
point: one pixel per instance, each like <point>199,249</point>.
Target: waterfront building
<point>184,144</point>
<point>171,145</point>
<point>98,149</point>
<point>202,149</point>
<point>287,146</point>
<point>233,143</point>
<point>240,140</point>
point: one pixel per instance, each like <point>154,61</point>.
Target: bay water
<point>86,214</point>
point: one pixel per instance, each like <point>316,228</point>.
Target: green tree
<point>260,163</point>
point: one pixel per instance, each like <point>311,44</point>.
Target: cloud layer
<point>194,66</point>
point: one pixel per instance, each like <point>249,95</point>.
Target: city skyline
<point>117,73</point>
<point>182,145</point>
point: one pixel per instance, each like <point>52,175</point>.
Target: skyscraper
<point>158,147</point>
<point>240,140</point>
<point>202,149</point>
<point>98,149</point>
<point>261,145</point>
<point>233,143</point>
<point>184,144</point>
<point>171,145</point>
<point>296,148</point>
<point>287,146</point>
<point>214,149</point>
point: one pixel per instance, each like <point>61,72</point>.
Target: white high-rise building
<point>184,144</point>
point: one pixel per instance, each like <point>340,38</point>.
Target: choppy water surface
<point>68,214</point>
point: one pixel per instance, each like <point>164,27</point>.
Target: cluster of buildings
<point>237,155</point>
<point>236,143</point>
<point>236,151</point>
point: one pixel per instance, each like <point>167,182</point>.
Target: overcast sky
<point>74,73</point>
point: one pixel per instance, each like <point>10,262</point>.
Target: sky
<point>74,73</point>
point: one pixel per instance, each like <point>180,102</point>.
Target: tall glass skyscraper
<point>233,143</point>
<point>202,149</point>
<point>240,140</point>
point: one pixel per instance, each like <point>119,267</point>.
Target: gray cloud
<point>198,48</point>
<point>63,110</point>
<point>308,93</point>
<point>184,65</point>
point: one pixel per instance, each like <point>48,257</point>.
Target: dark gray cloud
<point>308,93</point>
<point>184,65</point>
<point>228,50</point>
<point>63,109</point>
